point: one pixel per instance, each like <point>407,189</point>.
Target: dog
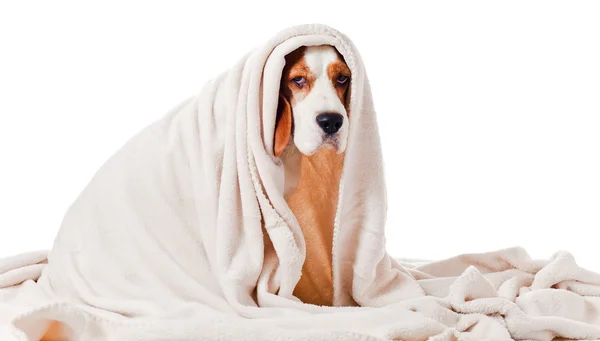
<point>310,137</point>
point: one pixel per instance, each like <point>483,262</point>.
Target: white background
<point>489,111</point>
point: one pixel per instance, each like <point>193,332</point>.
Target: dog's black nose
<point>330,122</point>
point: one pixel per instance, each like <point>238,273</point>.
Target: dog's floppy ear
<point>283,126</point>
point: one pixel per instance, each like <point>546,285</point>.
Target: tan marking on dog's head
<point>339,74</point>
<point>297,79</point>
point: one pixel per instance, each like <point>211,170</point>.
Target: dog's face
<point>313,101</point>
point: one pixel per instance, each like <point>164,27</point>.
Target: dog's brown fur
<point>314,204</point>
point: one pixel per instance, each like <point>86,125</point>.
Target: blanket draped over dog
<point>184,234</point>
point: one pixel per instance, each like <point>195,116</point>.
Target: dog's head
<point>313,101</point>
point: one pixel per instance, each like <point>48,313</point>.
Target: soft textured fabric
<point>184,234</point>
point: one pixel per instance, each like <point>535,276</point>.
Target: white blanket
<point>184,234</point>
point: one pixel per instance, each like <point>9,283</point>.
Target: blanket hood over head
<point>184,234</point>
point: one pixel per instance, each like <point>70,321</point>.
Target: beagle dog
<point>310,137</point>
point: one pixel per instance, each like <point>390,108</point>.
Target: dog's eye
<point>341,80</point>
<point>299,81</point>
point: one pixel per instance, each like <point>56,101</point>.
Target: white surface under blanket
<point>184,234</point>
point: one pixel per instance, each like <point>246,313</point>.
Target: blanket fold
<point>184,234</point>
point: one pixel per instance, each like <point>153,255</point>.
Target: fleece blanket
<point>184,234</point>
